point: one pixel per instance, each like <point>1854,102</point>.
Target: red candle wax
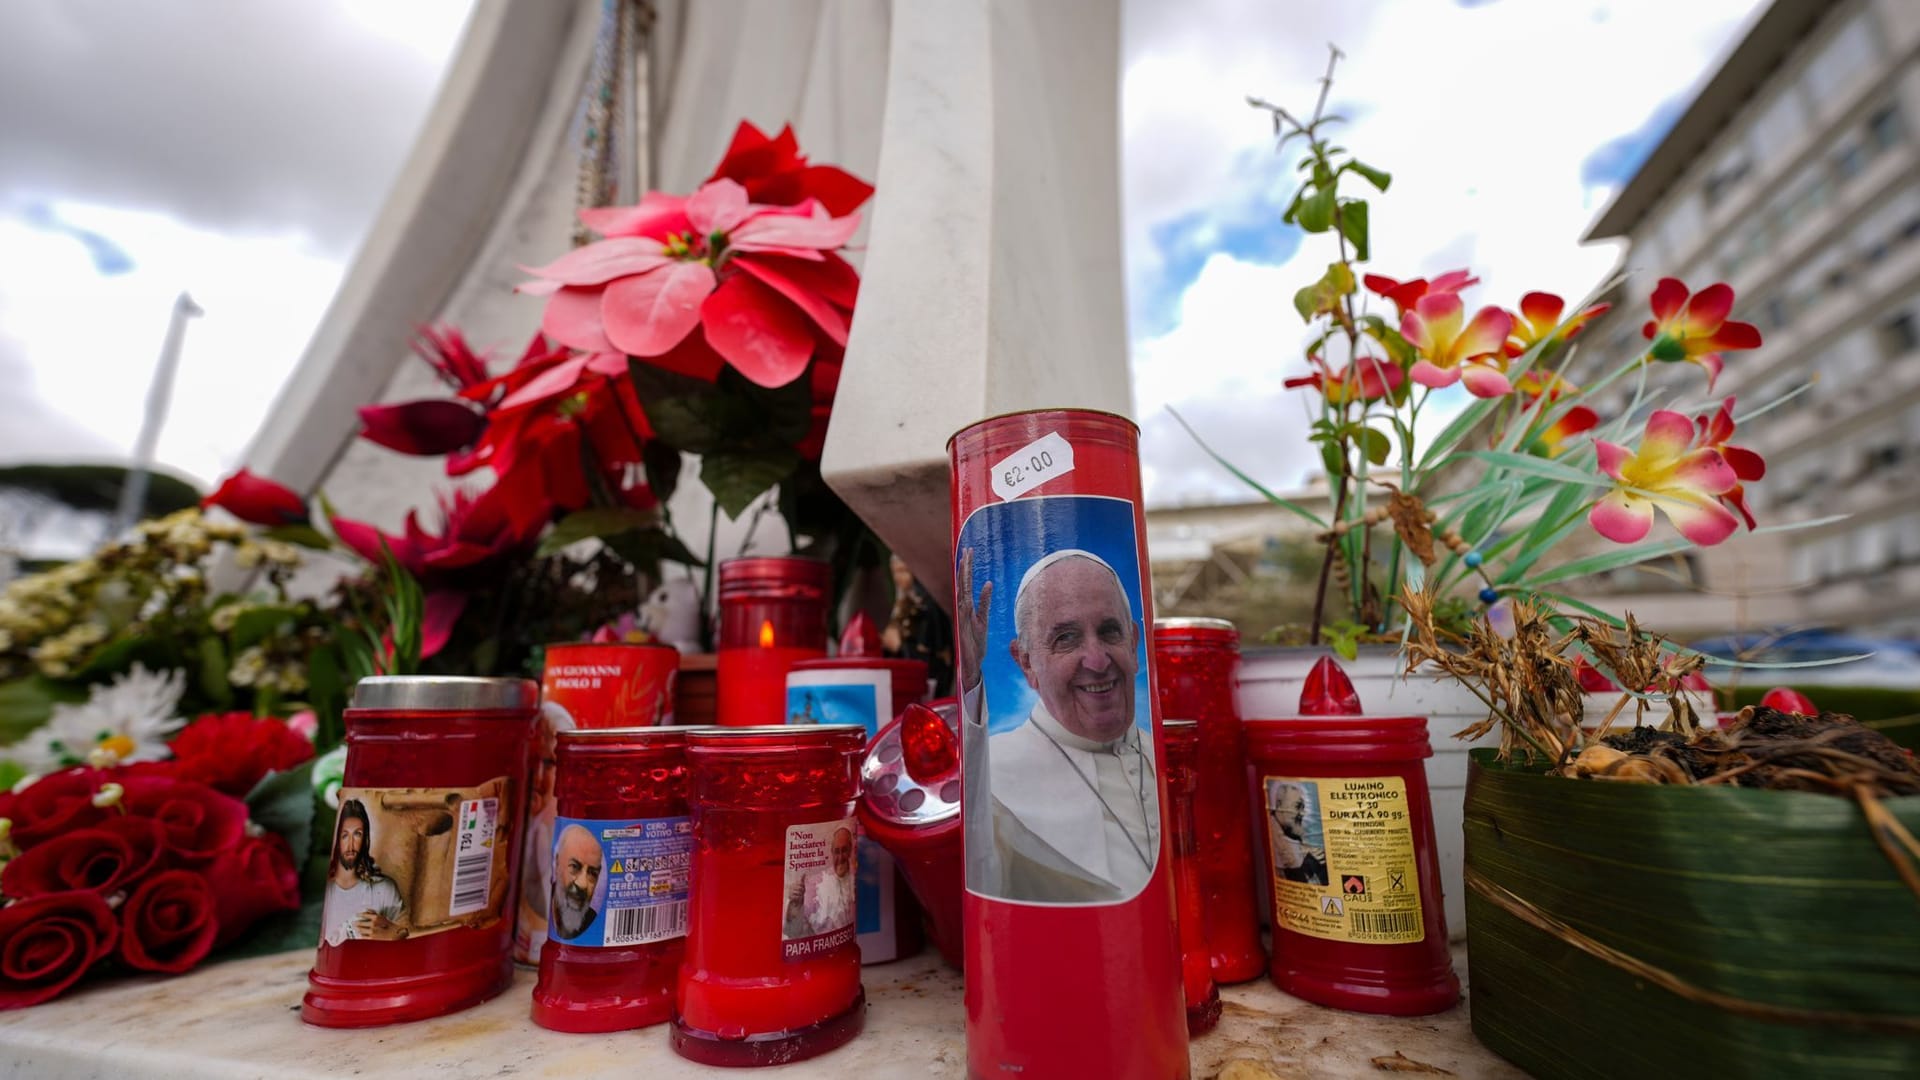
<point>417,919</point>
<point>772,968</point>
<point>1182,742</point>
<point>773,613</point>
<point>753,684</point>
<point>623,846</point>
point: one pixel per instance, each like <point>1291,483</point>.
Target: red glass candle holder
<point>620,861</point>
<point>1181,740</point>
<point>1196,661</point>
<point>418,915</point>
<point>772,970</point>
<point>910,806</point>
<point>773,614</point>
<point>1347,838</point>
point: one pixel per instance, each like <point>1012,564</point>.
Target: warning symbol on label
<point>1396,881</point>
<point>1354,885</point>
<point>1331,905</point>
<point>617,868</point>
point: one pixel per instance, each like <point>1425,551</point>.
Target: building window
<point>1899,335</point>
<point>1883,128</point>
<point>1851,160</point>
<point>1779,312</point>
<point>1725,179</point>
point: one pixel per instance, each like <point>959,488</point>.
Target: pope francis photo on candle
<point>1075,814</point>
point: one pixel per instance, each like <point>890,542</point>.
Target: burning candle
<point>773,614</point>
<point>417,914</point>
<point>619,863</point>
<point>772,969</point>
<point>1182,741</point>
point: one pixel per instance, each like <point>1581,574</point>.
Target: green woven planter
<point>1797,946</point>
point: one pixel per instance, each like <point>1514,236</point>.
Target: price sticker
<point>1041,460</point>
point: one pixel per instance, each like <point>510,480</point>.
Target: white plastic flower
<point>129,717</point>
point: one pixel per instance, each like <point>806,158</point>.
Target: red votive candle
<point>622,845</point>
<point>910,806</point>
<point>773,614</point>
<point>1196,661</point>
<point>417,914</point>
<point>1347,832</point>
<point>772,970</point>
<point>1181,739</point>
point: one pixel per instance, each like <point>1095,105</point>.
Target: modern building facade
<point>1794,176</point>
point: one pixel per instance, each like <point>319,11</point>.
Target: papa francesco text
<point>1365,800</point>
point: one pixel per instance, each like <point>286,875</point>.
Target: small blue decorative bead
<point>1474,559</point>
<point>1488,596</point>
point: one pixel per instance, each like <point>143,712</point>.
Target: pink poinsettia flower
<point>1747,466</point>
<point>1539,320</point>
<point>1454,350</point>
<point>1405,294</point>
<point>760,283</point>
<point>1668,472</point>
<point>1696,331</point>
<point>1552,440</point>
<point>1366,379</point>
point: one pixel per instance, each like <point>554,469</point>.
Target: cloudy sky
<point>239,150</point>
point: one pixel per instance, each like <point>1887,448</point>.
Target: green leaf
<point>1285,504</point>
<point>1353,225</point>
<point>26,703</point>
<point>1450,436</point>
<point>1546,468</point>
<point>1379,178</point>
<point>10,774</point>
<point>1332,459</point>
<point>737,478</point>
<point>1323,296</point>
<point>256,623</point>
<point>647,548</point>
<point>305,536</point>
<point>283,802</point>
<point>213,672</point>
<point>594,523</point>
<point>662,463</point>
<point>1316,210</point>
<point>1376,445</point>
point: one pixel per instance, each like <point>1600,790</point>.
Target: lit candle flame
<point>766,634</point>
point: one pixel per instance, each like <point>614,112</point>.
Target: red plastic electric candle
<point>1181,738</point>
<point>622,847</point>
<point>772,970</point>
<point>1072,960</point>
<point>1195,661</point>
<point>773,614</point>
<point>1347,837</point>
<point>910,805</point>
<point>418,914</point>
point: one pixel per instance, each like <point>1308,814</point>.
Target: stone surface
<point>242,1020</point>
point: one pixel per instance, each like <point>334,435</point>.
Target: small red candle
<point>621,854</point>
<point>773,614</point>
<point>417,919</point>
<point>1182,743</point>
<point>772,969</point>
<point>1196,661</point>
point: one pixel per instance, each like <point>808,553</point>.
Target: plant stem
<point>706,587</point>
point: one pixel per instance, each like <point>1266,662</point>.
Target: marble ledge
<point>241,1021</point>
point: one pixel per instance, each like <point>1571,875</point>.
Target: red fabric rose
<point>168,924</point>
<point>55,804</point>
<point>48,942</point>
<point>253,880</point>
<point>108,858</point>
<point>197,822</point>
<point>231,752</point>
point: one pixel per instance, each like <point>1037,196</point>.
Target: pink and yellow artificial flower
<point>1670,472</point>
<point>1366,379</point>
<point>1697,330</point>
<point>1747,466</point>
<point>1454,350</point>
<point>1552,440</point>
<point>1539,320</point>
<point>1405,294</point>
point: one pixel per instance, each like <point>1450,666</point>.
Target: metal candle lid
<point>655,736</point>
<point>889,789</point>
<point>775,577</point>
<point>445,693</point>
<point>1195,628</point>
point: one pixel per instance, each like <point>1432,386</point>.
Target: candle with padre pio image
<point>773,614</point>
<point>1072,961</point>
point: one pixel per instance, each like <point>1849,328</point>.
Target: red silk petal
<point>1667,298</point>
<point>1709,308</point>
<point>765,338</point>
<point>828,318</point>
<point>432,427</point>
<point>604,261</point>
<point>650,314</point>
<point>573,318</point>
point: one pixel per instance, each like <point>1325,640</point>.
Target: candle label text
<point>1048,457</point>
<point>1343,858</point>
<point>817,902</point>
<point>619,882</point>
<point>413,861</point>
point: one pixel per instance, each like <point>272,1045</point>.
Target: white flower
<point>130,716</point>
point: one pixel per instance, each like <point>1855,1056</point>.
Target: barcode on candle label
<point>473,855</point>
<point>1039,461</point>
<point>637,926</point>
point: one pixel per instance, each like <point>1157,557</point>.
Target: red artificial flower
<point>478,532</point>
<point>48,942</point>
<point>445,350</point>
<point>254,879</point>
<point>54,804</point>
<point>1592,680</point>
<point>1454,349</point>
<point>427,428</point>
<point>1539,320</point>
<point>776,173</point>
<point>1405,294</point>
<point>1748,466</point>
<point>232,752</point>
<point>1367,379</point>
<point>1552,439</point>
<point>257,500</point>
<point>105,859</point>
<point>168,923</point>
<point>197,823</point>
<point>1696,331</point>
<point>1788,700</point>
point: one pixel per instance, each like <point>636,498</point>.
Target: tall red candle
<point>417,914</point>
<point>773,614</point>
<point>1195,661</point>
<point>620,858</point>
<point>1347,835</point>
<point>1072,956</point>
<point>772,970</point>
<point>1182,741</point>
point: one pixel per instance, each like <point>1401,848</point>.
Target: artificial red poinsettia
<point>1405,294</point>
<point>477,531</point>
<point>759,284</point>
<point>1539,320</point>
<point>1366,379</point>
<point>776,173</point>
<point>258,500</point>
<point>1747,466</point>
<point>1696,330</point>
